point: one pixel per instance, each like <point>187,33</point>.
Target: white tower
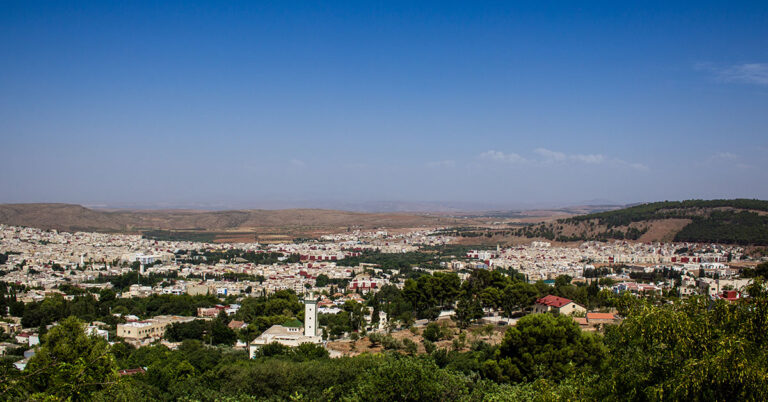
<point>310,316</point>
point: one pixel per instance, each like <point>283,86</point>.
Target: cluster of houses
<point>542,261</point>
<point>47,259</point>
<point>560,305</point>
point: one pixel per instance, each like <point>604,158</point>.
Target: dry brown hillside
<point>70,217</point>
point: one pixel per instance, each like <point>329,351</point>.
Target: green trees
<point>309,351</point>
<point>357,314</point>
<point>351,318</point>
<point>545,346</point>
<point>283,303</point>
<point>691,350</point>
<point>468,309</point>
<point>214,256</point>
<point>214,332</point>
<point>727,227</point>
<point>303,352</point>
<point>390,300</point>
<point>431,292</point>
<point>694,350</point>
<point>179,331</point>
<point>424,297</point>
<point>435,332</point>
<point>410,346</point>
<point>492,297</point>
<point>496,290</point>
<point>124,281</point>
<point>401,262</point>
<point>518,296</point>
<point>87,308</point>
<point>322,280</point>
<point>411,379</point>
<point>70,364</point>
<point>760,270</point>
<point>221,334</point>
<point>8,299</point>
<point>738,226</point>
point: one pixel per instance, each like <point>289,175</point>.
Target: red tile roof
<point>729,295</point>
<point>236,324</point>
<point>553,301</point>
<point>600,316</point>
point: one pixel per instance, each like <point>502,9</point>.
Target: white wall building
<point>291,333</point>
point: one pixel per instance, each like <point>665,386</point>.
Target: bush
<point>546,346</point>
<point>375,339</point>
<point>391,343</point>
<point>429,347</point>
<point>411,379</point>
<point>435,332</point>
<point>272,349</point>
<point>410,346</point>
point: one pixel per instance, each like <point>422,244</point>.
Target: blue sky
<point>510,103</point>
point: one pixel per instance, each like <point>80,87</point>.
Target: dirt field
<point>663,230</point>
<point>473,334</point>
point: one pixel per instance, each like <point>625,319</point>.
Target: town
<point>329,287</point>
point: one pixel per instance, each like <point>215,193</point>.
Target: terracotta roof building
<point>237,324</point>
<point>601,318</point>
<point>558,305</point>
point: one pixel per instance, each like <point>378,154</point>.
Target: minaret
<point>310,316</point>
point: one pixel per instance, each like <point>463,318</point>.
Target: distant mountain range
<point>362,206</point>
<point>739,221</point>
<point>71,217</point>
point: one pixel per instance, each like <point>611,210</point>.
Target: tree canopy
<point>70,364</point>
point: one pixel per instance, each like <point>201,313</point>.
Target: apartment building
<point>153,328</point>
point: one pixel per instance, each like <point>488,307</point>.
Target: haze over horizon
<point>452,103</point>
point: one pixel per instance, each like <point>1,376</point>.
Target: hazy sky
<point>229,102</point>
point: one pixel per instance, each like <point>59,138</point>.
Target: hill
<point>739,221</point>
<point>219,224</point>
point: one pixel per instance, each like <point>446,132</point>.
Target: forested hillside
<point>739,221</point>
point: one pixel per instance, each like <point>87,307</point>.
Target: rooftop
<point>293,324</point>
<point>600,316</point>
<point>553,301</point>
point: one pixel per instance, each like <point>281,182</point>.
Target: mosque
<point>292,333</point>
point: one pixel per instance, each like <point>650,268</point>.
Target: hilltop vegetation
<point>727,227</point>
<point>739,221</point>
<point>666,210</point>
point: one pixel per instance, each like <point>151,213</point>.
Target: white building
<point>291,333</point>
<point>96,331</point>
